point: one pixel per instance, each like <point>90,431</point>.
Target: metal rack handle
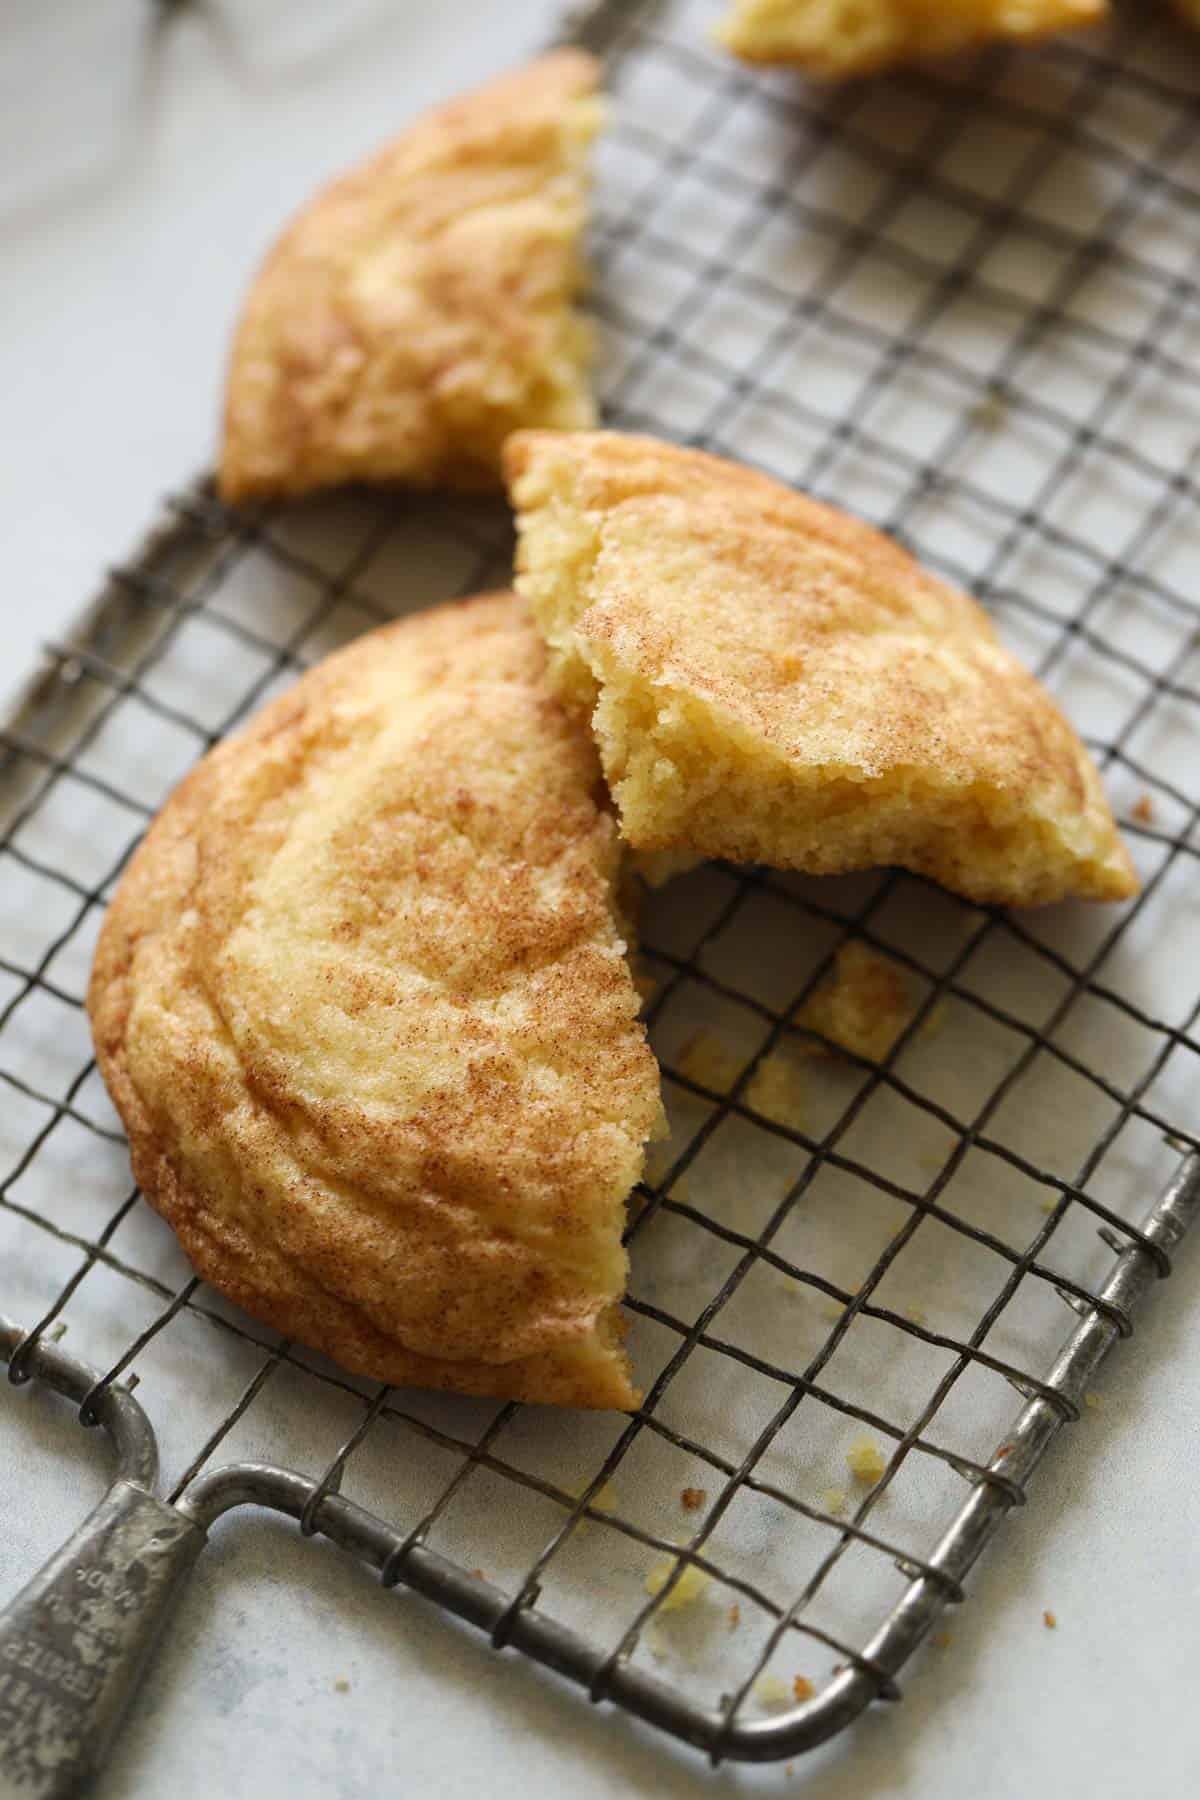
<point>76,1641</point>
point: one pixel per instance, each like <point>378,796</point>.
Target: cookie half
<point>422,307</point>
<point>363,1003</point>
<point>770,680</point>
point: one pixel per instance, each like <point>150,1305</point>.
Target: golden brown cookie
<point>363,1004</point>
<point>855,37</point>
<point>421,308</point>
<point>772,681</point>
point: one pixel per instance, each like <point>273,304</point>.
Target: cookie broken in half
<point>769,680</point>
<point>422,307</point>
<point>363,1003</point>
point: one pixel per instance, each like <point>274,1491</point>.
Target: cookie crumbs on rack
<point>1093,1400</point>
<point>1050,1620</point>
<point>735,1616</point>
<point>604,1499</point>
<point>935,1024</point>
<point>942,1640</point>
<point>991,412</point>
<point>341,1685</point>
<point>834,1500</point>
<point>692,1499</point>
<point>771,1693</point>
<point>865,1460</point>
<point>833,1310</point>
<point>802,1687</point>
<point>1143,810</point>
<point>863,1006</point>
<point>708,1062</point>
<point>916,1315</point>
<point>776,1090</point>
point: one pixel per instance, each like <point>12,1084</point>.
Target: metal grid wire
<point>961,302</point>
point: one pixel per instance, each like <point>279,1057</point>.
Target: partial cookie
<point>363,1004</point>
<point>855,37</point>
<point>772,681</point>
<point>421,308</point>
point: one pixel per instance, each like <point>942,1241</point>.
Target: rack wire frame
<point>178,577</point>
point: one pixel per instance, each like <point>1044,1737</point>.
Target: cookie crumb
<point>834,1501</point>
<point>777,1090</point>
<point>802,1687</point>
<point>832,1310</point>
<point>692,1499</point>
<point>705,1060</point>
<point>1050,1620</point>
<point>916,1315</point>
<point>1143,810</point>
<point>935,1024</point>
<point>341,1685</point>
<point>991,412</point>
<point>687,1589</point>
<point>603,1500</point>
<point>735,1616</point>
<point>479,1574</point>
<point>1093,1400</point>
<point>942,1640</point>
<point>865,1460</point>
<point>863,1006</point>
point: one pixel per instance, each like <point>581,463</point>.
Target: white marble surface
<point>118,292</point>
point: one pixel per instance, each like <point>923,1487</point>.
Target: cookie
<point>770,680</point>
<point>363,1003</point>
<point>838,38</point>
<point>421,308</point>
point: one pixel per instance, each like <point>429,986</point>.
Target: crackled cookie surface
<point>422,307</point>
<point>363,1003</point>
<point>770,680</point>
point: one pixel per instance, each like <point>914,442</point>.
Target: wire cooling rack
<point>961,302</point>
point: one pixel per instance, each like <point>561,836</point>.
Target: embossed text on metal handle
<point>74,1642</point>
